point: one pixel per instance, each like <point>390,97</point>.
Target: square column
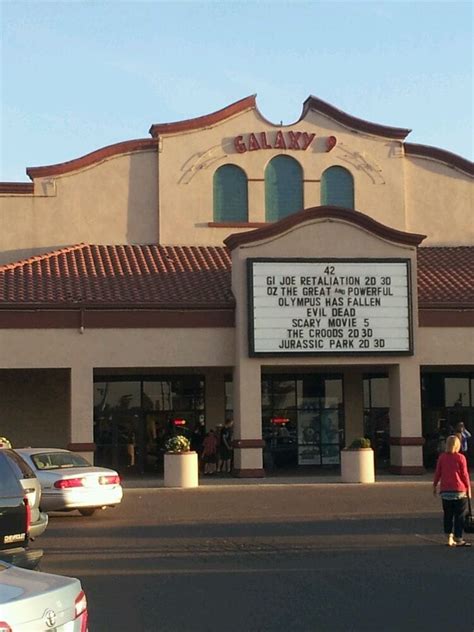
<point>406,440</point>
<point>248,442</point>
<point>82,411</point>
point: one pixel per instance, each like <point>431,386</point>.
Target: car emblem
<point>49,618</point>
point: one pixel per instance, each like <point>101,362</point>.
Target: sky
<point>77,76</point>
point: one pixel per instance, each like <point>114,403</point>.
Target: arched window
<point>337,187</point>
<point>283,188</point>
<point>230,194</point>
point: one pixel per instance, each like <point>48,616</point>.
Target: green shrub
<point>178,444</point>
<point>359,443</point>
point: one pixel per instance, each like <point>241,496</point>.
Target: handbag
<point>469,519</point>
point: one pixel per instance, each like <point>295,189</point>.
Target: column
<point>406,440</point>
<point>248,442</point>
<point>82,411</point>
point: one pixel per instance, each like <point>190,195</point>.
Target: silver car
<point>31,601</point>
<point>69,481</point>
<point>32,488</point>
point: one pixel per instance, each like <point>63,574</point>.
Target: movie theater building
<point>313,282</point>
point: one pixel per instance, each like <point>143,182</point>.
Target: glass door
<point>117,426</point>
<point>302,419</point>
<point>320,420</point>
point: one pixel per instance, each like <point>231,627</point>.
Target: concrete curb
<point>158,483</point>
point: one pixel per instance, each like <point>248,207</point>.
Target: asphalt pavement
<point>267,556</point>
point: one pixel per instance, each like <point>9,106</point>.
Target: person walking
<point>455,487</point>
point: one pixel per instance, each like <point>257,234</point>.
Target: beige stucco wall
<point>446,346</point>
<point>35,409</point>
<point>112,202</point>
<point>440,203</point>
<point>188,161</point>
<point>34,348</point>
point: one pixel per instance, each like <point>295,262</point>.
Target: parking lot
<point>261,557</point>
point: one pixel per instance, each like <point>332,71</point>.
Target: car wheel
<point>87,511</point>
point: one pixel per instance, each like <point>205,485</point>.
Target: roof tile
<point>186,277</point>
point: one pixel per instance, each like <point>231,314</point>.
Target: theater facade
<point>314,282</point>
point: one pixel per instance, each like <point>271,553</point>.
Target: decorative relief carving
<point>362,162</point>
<point>201,160</point>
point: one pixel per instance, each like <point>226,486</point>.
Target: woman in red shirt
<point>455,488</point>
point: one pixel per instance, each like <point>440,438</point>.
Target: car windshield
<point>58,460</point>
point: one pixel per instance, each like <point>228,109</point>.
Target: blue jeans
<point>454,512</point>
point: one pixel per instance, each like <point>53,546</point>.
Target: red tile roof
<point>446,276</point>
<point>186,277</point>
<point>157,276</point>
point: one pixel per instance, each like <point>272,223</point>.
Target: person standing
<point>464,435</point>
<point>225,448</point>
<point>455,487</point>
<point>209,452</point>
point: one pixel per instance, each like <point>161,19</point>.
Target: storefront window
<point>283,394</point>
<point>447,399</point>
<point>133,419</point>
<point>456,391</point>
<point>229,397</point>
<point>377,416</point>
<point>379,392</point>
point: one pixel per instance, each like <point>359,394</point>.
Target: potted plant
<point>357,462</point>
<point>181,463</point>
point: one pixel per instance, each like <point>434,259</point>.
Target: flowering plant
<point>4,443</point>
<point>360,444</point>
<point>178,444</point>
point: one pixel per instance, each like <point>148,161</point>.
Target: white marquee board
<point>316,307</point>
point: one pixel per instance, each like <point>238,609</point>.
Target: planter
<point>357,466</point>
<point>181,469</point>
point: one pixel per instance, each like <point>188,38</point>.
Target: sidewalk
<point>222,480</point>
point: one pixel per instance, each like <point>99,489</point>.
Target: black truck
<point>14,519</point>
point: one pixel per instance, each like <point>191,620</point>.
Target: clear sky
<point>77,76</point>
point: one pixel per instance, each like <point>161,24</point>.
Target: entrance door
<point>303,419</point>
<point>118,426</point>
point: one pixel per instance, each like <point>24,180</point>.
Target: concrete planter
<point>181,469</point>
<point>357,466</point>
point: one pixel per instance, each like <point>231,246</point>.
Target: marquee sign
<point>329,307</point>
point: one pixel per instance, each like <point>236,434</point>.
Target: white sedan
<point>69,481</point>
<point>31,601</point>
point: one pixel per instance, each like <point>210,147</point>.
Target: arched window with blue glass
<point>283,188</point>
<point>230,194</point>
<point>337,187</point>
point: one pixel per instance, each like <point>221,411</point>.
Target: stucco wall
<point>112,202</point>
<point>440,203</point>
<point>188,161</point>
<point>116,348</point>
<point>443,346</point>
<point>34,407</point>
